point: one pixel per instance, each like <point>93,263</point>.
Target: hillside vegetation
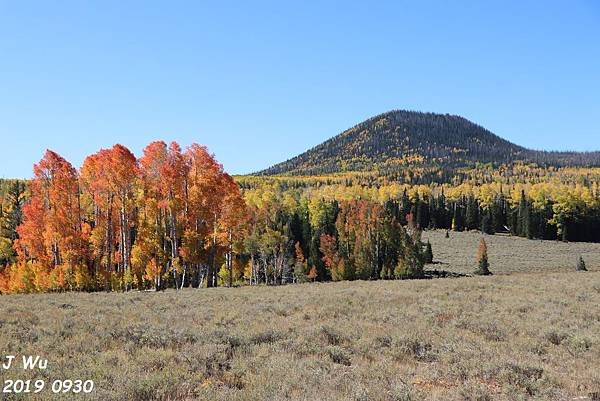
<point>400,138</point>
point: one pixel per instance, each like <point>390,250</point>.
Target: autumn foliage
<point>168,219</point>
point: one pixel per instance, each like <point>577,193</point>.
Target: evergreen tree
<point>405,207</point>
<point>433,213</point>
<point>524,217</point>
<point>486,223</point>
<point>417,212</point>
<point>482,259</point>
<point>498,212</point>
<point>472,214</point>
<point>581,265</point>
<point>428,255</point>
<point>11,216</point>
<point>411,261</point>
<point>442,215</point>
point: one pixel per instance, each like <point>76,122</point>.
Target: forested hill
<point>400,138</point>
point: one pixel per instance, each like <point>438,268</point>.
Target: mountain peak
<point>401,138</point>
<point>398,139</point>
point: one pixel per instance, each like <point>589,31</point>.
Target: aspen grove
<point>165,220</point>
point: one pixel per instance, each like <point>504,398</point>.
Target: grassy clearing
<point>509,254</point>
<point>506,337</point>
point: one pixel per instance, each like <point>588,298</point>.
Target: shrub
<point>339,355</point>
<point>555,338</point>
<point>332,336</point>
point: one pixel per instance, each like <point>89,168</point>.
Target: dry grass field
<point>523,336</point>
<point>509,254</point>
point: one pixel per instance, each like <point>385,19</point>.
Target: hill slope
<point>406,138</point>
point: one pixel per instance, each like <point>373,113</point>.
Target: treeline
<point>566,220</point>
<point>567,210</point>
<point>173,219</point>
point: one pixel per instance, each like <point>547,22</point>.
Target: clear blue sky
<point>259,82</point>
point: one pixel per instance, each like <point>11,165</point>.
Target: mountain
<point>399,139</point>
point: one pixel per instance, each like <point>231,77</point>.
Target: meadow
<point>509,254</point>
<point>527,335</point>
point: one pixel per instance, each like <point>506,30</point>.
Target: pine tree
<point>581,265</point>
<point>524,217</point>
<point>499,217</point>
<point>405,206</point>
<point>486,224</point>
<point>472,213</point>
<point>411,262</point>
<point>433,213</point>
<point>482,258</point>
<point>428,255</point>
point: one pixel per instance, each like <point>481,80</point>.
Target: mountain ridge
<point>402,138</point>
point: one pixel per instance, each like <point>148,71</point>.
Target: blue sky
<point>259,82</point>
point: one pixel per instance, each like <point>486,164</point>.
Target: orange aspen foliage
<point>312,274</point>
<point>108,178</point>
<point>50,245</point>
<point>335,264</point>
<point>167,219</point>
